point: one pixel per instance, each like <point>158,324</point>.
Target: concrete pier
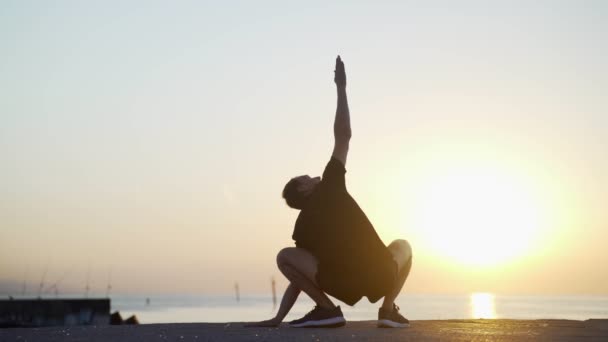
<point>434,330</point>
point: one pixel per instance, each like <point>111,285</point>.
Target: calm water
<point>168,309</point>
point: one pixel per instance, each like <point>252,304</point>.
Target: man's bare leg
<point>300,268</point>
<point>402,253</point>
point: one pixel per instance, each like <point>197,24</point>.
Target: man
<point>337,249</point>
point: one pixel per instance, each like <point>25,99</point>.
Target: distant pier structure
<point>273,285</point>
<point>237,292</point>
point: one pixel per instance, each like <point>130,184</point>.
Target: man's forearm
<point>342,121</point>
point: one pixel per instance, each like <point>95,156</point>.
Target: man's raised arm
<point>342,132</point>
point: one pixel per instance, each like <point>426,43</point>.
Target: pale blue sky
<point>154,138</point>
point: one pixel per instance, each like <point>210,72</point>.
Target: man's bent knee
<point>401,250</point>
<point>405,246</point>
<point>284,256</point>
<point>296,259</point>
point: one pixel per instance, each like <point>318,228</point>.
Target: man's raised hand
<point>339,73</point>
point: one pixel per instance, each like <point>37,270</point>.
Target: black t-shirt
<point>353,261</point>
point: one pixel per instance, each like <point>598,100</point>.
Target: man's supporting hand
<point>269,323</point>
<point>289,298</point>
<point>339,73</point>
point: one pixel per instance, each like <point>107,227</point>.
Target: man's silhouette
<point>338,251</point>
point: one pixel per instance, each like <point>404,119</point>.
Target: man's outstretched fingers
<point>339,73</point>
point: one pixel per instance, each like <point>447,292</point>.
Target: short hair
<point>294,198</point>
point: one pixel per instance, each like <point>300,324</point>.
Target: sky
<point>146,143</point>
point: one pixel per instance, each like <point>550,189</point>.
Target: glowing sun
<point>477,215</point>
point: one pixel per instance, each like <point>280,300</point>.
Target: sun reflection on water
<point>482,305</point>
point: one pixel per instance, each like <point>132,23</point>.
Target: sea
<point>229,308</point>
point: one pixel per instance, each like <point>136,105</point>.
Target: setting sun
<point>477,214</point>
<point>482,305</point>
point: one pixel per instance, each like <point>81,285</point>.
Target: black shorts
<point>350,278</point>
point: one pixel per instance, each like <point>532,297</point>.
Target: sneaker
<point>392,319</point>
<point>320,318</point>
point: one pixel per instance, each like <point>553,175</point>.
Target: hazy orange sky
<point>149,142</point>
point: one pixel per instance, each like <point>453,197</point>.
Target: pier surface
<point>434,330</point>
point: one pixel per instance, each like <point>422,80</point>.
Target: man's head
<point>298,189</point>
